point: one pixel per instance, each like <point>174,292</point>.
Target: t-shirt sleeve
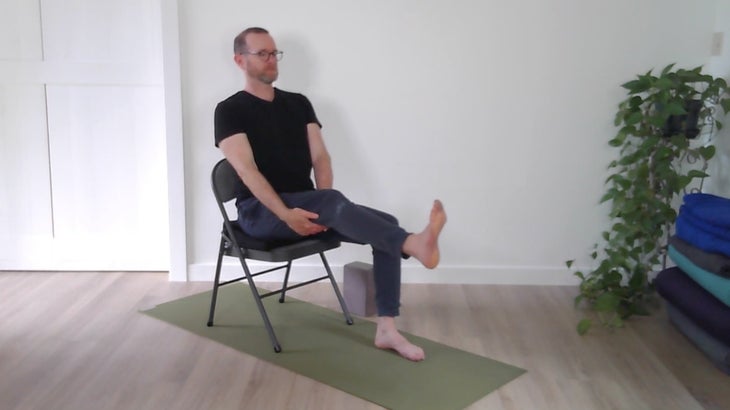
<point>228,121</point>
<point>309,112</point>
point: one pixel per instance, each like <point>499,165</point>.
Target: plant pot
<point>685,123</point>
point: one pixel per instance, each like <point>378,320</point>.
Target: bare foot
<point>424,245</point>
<point>387,337</point>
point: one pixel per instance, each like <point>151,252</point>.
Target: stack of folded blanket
<point>697,290</point>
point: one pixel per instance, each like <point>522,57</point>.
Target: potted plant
<point>657,161</point>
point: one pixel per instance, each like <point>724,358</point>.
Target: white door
<point>82,140</point>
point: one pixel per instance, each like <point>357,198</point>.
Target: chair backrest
<point>225,182</point>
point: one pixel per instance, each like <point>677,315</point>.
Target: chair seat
<point>279,250</point>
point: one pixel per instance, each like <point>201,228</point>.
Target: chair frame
<point>225,183</point>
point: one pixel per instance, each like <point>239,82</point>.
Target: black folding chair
<point>235,243</point>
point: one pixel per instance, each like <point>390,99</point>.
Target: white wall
<point>501,109</point>
<point>719,169</point>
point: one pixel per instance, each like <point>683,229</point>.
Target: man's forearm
<point>262,190</point>
<point>323,175</point>
<point>299,220</point>
<point>321,162</point>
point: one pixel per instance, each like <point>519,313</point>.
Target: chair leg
<point>286,283</point>
<point>336,288</point>
<point>260,305</point>
<point>214,297</point>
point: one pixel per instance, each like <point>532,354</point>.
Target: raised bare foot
<point>424,245</point>
<point>389,338</point>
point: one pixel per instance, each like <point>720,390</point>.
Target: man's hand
<point>300,221</point>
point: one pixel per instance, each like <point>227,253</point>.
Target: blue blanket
<point>711,208</point>
<point>700,221</point>
<point>700,238</point>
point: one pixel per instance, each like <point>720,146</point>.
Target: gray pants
<point>346,221</point>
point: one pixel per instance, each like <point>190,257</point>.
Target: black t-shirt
<point>277,132</point>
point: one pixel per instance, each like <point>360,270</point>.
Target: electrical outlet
<point>717,40</point>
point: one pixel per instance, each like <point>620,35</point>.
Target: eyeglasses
<point>266,55</point>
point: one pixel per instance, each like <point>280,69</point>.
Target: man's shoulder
<point>237,98</point>
<point>289,95</point>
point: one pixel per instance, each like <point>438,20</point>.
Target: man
<point>272,139</point>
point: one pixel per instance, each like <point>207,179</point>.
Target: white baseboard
<point>487,275</point>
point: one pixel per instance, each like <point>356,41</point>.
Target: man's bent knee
<point>333,203</point>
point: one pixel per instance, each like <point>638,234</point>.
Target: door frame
<point>174,138</point>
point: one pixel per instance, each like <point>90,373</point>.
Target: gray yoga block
<point>359,288</point>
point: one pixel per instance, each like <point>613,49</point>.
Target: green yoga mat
<point>317,343</point>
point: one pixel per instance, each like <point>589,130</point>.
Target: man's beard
<point>268,78</point>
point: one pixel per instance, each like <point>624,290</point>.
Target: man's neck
<point>263,91</point>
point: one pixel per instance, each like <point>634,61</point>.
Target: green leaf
<point>577,300</point>
<point>635,101</point>
<point>569,263</point>
<point>697,174</point>
<point>616,321</point>
<point>638,86</point>
<point>667,69</point>
<point>674,108</point>
<point>619,140</point>
<point>663,154</point>
<point>664,83</point>
<point>583,326</point>
<point>657,120</point>
<point>682,182</point>
<point>611,194</point>
<point>629,130</point>
<point>607,302</point>
<point>679,141</point>
<point>618,119</point>
<point>622,182</point>
<point>707,152</point>
<point>612,279</point>
<point>637,280</point>
<point>634,118</point>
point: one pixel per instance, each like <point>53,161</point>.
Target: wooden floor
<point>76,341</point>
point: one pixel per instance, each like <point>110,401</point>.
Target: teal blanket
<point>715,284</point>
